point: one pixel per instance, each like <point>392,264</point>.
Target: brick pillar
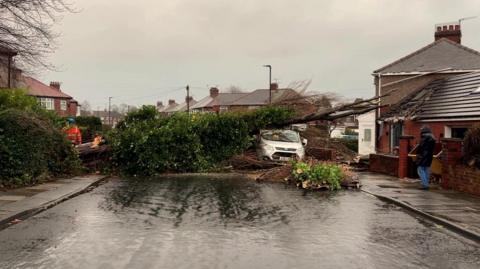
<point>404,149</point>
<point>451,154</point>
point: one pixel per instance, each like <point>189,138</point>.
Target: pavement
<point>19,204</point>
<point>457,211</point>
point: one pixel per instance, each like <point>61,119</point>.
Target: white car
<point>280,145</point>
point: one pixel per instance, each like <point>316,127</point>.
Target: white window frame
<point>47,103</point>
<point>63,105</point>
<point>223,108</point>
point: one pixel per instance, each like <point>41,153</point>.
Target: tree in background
<point>26,26</point>
<point>85,108</point>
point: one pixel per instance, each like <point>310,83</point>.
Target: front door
<point>397,132</point>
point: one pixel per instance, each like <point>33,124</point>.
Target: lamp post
<point>109,113</point>
<point>269,81</point>
<point>188,99</point>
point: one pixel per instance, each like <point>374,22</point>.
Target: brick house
<point>238,102</point>
<point>409,75</point>
<point>216,101</point>
<point>51,96</point>
<point>174,107</point>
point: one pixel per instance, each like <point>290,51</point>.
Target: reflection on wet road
<point>212,223</point>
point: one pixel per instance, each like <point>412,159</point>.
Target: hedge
<point>31,148</point>
<point>148,143</point>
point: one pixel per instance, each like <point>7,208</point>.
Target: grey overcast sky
<point>144,50</point>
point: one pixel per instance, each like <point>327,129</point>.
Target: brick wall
<point>455,175</point>
<point>385,164</point>
<point>465,179</point>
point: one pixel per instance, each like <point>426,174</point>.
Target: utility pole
<point>269,82</point>
<point>109,114</point>
<point>188,100</point>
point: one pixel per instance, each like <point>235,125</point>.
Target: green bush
<point>17,99</point>
<point>320,174</point>
<point>147,143</point>
<point>31,148</point>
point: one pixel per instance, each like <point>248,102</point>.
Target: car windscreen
<point>282,136</point>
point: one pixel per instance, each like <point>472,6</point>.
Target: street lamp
<point>109,113</point>
<point>269,81</point>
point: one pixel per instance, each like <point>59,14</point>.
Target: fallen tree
<point>337,112</point>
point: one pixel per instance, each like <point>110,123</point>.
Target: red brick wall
<point>385,164</point>
<point>465,179</point>
<point>71,110</point>
<point>455,175</point>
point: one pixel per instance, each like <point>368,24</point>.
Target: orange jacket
<point>74,135</point>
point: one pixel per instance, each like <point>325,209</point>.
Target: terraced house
<point>436,85</point>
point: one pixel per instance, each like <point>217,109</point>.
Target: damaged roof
<point>440,54</point>
<point>456,97</point>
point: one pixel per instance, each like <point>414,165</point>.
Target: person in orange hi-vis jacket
<point>73,132</point>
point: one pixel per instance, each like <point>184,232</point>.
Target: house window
<point>46,103</point>
<point>367,135</point>
<point>455,132</point>
<point>459,132</point>
<point>223,108</point>
<point>63,105</point>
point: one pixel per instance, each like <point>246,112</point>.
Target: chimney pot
<point>159,104</point>
<point>214,92</point>
<point>55,85</point>
<point>274,86</point>
<point>449,31</point>
<point>171,102</point>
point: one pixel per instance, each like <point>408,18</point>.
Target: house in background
<point>443,58</point>
<point>169,107</point>
<point>113,119</point>
<point>51,97</point>
<point>180,107</point>
<point>261,97</point>
<point>216,101</point>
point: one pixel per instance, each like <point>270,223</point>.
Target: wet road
<point>205,223</point>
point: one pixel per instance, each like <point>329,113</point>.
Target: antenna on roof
<point>466,18</point>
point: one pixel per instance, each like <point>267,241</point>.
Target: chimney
<point>55,85</point>
<point>171,102</point>
<point>188,99</point>
<point>274,86</point>
<point>450,31</point>
<point>214,92</point>
<point>159,104</point>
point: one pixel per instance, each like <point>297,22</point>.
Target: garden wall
<point>385,164</point>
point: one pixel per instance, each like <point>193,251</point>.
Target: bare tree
<point>300,86</point>
<point>26,27</point>
<point>85,106</point>
<point>234,89</point>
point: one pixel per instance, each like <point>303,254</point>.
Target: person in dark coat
<point>425,155</point>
